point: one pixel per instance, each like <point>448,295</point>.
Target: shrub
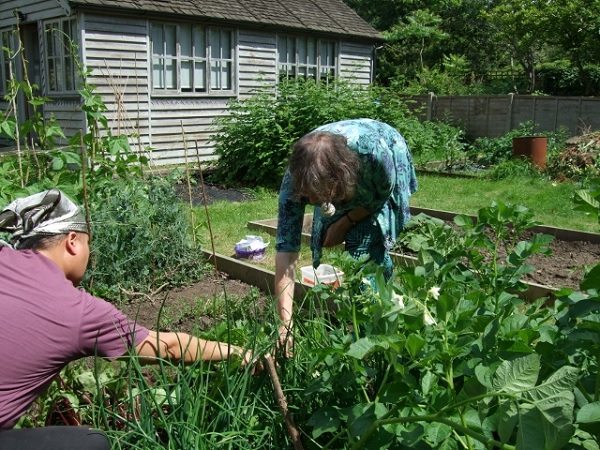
<point>253,143</point>
<point>141,239</point>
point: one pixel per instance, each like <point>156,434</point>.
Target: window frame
<point>188,62</point>
<point>321,68</point>
<point>62,58</point>
<point>7,39</point>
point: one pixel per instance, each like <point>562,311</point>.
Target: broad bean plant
<point>448,355</point>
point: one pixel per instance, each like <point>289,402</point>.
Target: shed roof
<point>326,16</point>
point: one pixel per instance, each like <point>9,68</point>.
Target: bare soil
<point>564,268</point>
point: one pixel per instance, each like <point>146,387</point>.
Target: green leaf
<point>591,280</point>
<point>484,375</point>
<point>518,375</point>
<point>437,432</point>
<point>414,344</point>
<point>57,164</point>
<point>428,381</point>
<point>589,413</point>
<point>8,128</point>
<point>324,420</point>
<point>366,345</point>
<point>87,380</point>
<point>463,220</point>
<point>530,432</point>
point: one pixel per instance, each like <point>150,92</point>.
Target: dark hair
<point>41,241</point>
<point>322,166</point>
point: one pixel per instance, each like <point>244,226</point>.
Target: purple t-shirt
<point>45,323</point>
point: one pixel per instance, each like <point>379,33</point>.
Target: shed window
<point>307,57</point>
<point>7,51</point>
<point>60,40</point>
<point>191,58</point>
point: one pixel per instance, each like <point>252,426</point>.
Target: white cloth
<point>45,213</point>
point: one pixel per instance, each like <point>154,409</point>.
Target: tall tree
<point>574,27</point>
<point>515,24</point>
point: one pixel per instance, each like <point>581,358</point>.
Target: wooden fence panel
<point>495,115</point>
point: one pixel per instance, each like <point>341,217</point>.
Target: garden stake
<point>289,421</point>
<point>189,185</point>
<point>212,239</point>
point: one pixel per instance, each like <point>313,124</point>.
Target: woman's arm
<point>336,233</point>
<point>285,281</point>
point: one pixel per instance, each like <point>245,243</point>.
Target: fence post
<point>430,106</point>
<point>511,98</point>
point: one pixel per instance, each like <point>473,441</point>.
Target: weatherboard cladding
<point>326,16</point>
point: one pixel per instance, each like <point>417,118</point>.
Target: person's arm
<point>185,347</point>
<point>336,233</point>
<point>285,280</point>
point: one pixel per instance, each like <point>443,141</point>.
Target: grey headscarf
<point>45,213</point>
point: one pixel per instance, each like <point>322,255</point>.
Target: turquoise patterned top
<point>385,182</point>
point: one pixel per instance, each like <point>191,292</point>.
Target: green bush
<point>141,239</point>
<point>561,78</point>
<point>253,143</point>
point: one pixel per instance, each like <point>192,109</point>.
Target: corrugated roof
<point>326,16</point>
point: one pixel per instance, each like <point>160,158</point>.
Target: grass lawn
<point>551,203</point>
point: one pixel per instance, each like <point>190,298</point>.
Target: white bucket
<point>325,274</point>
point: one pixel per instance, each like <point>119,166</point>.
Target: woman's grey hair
<point>323,167</point>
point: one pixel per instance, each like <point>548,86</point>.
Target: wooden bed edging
<point>264,279</point>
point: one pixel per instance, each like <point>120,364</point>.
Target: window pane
<point>226,44</point>
<point>74,36</point>
<point>186,75</point>
<point>170,41</point>
<point>215,78</point>
<point>158,81</point>
<point>69,74</point>
<point>65,37</point>
<point>199,42</point>
<point>171,73</point>
<point>220,75</point>
<point>226,76</point>
<point>282,49</point>
<point>301,51</point>
<point>200,76</point>
<point>311,51</point>
<point>60,75</point>
<point>51,75</point>
<point>215,43</point>
<point>157,40</point>
<point>185,40</point>
<point>50,41</point>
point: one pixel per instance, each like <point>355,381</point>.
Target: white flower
<point>398,299</point>
<point>316,374</point>
<point>327,209</point>
<point>434,292</point>
<point>428,319</point>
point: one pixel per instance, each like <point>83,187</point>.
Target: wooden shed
<point>165,69</point>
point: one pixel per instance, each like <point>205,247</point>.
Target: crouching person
<point>47,322</point>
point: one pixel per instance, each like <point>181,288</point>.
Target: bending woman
<point>359,175</point>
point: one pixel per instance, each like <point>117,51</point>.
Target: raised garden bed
<point>565,238</point>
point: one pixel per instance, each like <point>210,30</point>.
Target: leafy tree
<point>574,27</point>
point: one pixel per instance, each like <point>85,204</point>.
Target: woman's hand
<point>285,343</point>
